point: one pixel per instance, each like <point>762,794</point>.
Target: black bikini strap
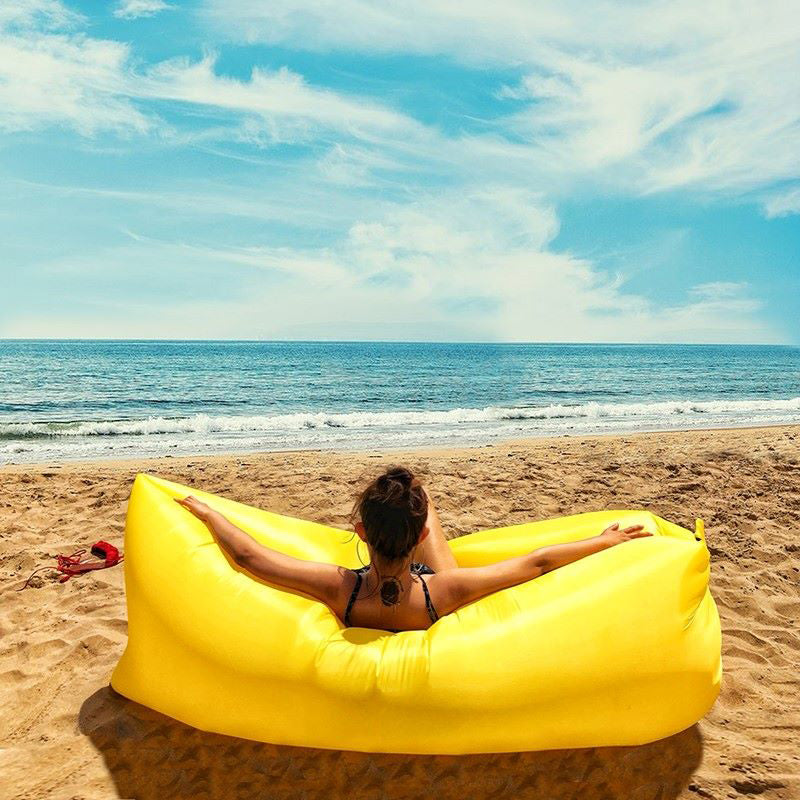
<point>356,588</point>
<point>432,613</point>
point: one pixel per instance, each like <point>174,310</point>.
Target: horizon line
<point>395,341</point>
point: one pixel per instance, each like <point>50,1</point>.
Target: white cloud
<point>448,266</point>
<point>483,257</point>
<point>646,98</point>
<point>311,269</point>
<point>281,97</point>
<point>299,206</point>
<point>783,203</point>
<point>132,9</point>
<point>721,291</point>
<point>52,74</point>
<point>650,96</point>
<point>48,79</point>
<point>45,13</point>
<point>716,312</point>
<point>471,30</point>
<point>666,100</point>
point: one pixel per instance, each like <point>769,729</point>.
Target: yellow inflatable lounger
<point>620,648</point>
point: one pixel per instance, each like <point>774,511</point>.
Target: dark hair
<point>393,510</point>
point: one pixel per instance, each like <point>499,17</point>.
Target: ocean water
<point>95,399</point>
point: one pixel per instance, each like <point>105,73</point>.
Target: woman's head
<point>390,514</point>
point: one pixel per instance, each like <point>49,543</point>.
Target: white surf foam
<point>737,410</point>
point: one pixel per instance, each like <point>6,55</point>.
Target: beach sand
<point>65,733</point>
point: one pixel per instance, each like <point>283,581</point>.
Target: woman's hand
<point>198,508</point>
<point>614,535</point>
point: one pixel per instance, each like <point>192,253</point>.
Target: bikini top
<point>415,569</point>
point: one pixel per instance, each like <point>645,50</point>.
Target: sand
<point>65,733</point>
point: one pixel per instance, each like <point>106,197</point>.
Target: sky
<point>417,170</point>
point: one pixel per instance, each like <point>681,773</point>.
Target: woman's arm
<point>461,586</point>
<point>317,579</point>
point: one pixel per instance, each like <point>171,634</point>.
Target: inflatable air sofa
<point>619,648</point>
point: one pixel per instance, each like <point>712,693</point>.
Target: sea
<point>69,399</point>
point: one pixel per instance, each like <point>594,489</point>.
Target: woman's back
<point>413,610</point>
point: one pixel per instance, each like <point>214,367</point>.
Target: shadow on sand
<point>153,757</point>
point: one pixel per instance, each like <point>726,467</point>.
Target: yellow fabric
<point>620,648</point>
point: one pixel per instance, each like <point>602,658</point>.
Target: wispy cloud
<point>44,13</point>
<point>637,97</point>
<point>448,266</point>
<point>360,289</point>
<point>650,96</point>
<point>51,73</point>
<point>723,291</point>
<point>298,205</point>
<point>291,109</point>
<point>132,9</point>
<point>783,202</point>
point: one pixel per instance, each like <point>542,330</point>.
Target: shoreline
<point>429,450</point>
<point>66,733</point>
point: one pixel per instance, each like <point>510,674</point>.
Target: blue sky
<point>565,171</point>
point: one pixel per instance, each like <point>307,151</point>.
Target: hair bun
<point>396,483</point>
<point>393,510</point>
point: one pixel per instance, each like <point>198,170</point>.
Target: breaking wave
<point>735,411</point>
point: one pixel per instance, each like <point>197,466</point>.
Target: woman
<point>412,578</point>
